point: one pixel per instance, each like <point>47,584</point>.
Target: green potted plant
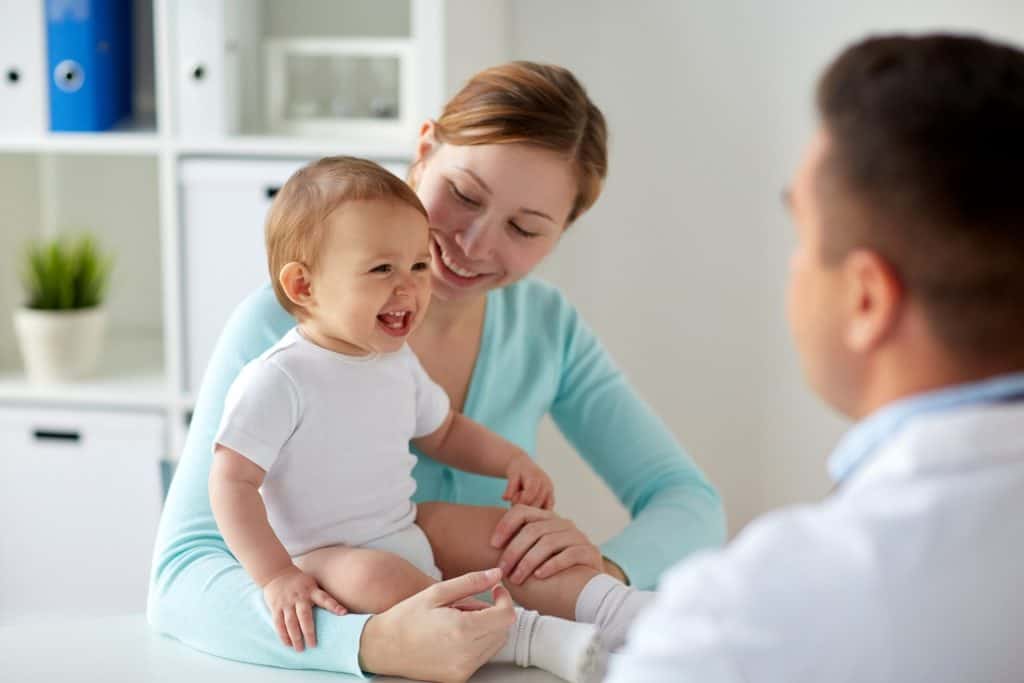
<point>61,327</point>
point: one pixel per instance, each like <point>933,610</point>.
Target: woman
<point>517,156</point>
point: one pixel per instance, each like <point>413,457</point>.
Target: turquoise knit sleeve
<point>199,593</point>
<point>675,510</point>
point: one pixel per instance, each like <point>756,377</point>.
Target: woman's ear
<point>297,284</point>
<point>427,140</point>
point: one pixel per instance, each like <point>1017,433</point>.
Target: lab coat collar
<point>863,441</point>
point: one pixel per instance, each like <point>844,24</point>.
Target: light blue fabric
<point>536,357</point>
<point>860,443</point>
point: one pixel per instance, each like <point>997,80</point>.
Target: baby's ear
<point>297,284</point>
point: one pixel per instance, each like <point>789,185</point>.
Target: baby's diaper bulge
<point>411,544</point>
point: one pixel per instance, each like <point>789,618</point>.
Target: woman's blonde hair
<point>534,104</point>
<point>297,219</point>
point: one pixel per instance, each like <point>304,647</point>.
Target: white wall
<point>680,266</point>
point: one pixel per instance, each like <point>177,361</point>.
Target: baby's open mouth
<point>395,323</point>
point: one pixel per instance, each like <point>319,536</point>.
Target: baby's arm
<point>468,445</point>
<point>238,508</point>
<point>242,518</point>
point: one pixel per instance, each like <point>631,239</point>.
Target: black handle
<point>272,190</point>
<point>199,72</point>
<point>13,75</point>
<point>57,435</point>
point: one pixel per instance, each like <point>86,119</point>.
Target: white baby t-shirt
<point>332,432</point>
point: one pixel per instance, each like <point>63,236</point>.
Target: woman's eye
<point>520,231</point>
<point>383,268</point>
<point>461,197</point>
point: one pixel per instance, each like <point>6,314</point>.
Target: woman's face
<point>495,212</point>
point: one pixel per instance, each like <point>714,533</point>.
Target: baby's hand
<point>528,484</point>
<point>290,597</point>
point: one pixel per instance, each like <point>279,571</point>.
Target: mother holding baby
<point>515,158</point>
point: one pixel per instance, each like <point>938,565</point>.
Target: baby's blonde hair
<point>297,218</point>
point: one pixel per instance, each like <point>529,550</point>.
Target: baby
<point>311,480</point>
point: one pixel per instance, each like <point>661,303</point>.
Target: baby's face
<point>371,287</point>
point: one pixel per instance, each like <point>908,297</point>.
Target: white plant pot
<point>60,346</point>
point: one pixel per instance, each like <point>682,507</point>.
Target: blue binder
<point>90,58</point>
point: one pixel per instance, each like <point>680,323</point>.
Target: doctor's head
<point>909,211</point>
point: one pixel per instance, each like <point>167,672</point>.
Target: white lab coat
<point>911,572</point>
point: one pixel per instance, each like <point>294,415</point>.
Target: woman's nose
<point>477,240</point>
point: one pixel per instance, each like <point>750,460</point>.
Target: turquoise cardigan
<point>537,356</point>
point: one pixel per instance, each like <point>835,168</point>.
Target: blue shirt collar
<point>862,441</point>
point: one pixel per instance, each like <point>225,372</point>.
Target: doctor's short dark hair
<point>925,166</point>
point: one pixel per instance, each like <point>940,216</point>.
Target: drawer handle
<point>54,435</point>
<point>272,191</point>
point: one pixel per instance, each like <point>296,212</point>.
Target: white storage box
<point>80,498</point>
<point>224,208</point>
<point>345,88</point>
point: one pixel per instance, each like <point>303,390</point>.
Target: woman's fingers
<point>291,623</point>
<point>513,520</point>
<point>304,611</point>
<point>324,599</point>
<point>470,605</point>
<point>570,557</point>
<point>502,598</point>
<point>548,546</point>
<point>495,618</point>
<point>524,540</point>
<point>461,587</point>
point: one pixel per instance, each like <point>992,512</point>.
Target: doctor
<point>906,301</point>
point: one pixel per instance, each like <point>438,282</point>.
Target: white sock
<point>558,646</point>
<point>612,606</point>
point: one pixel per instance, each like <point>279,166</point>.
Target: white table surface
<point>37,648</point>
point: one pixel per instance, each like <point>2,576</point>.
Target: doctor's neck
<point>906,369</point>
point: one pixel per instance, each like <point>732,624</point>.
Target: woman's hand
<point>440,634</point>
<point>290,597</point>
<point>540,543</point>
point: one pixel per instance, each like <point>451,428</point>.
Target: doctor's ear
<point>875,298</point>
<point>296,281</point>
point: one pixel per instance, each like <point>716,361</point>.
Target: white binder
<point>23,79</point>
<point>214,41</point>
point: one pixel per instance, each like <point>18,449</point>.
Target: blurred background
<point>161,129</point>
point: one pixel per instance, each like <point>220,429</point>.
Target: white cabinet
<point>79,498</point>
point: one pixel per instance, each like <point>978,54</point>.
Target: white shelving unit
<point>125,185</point>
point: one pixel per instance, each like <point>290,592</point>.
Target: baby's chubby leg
<point>364,580</point>
<point>461,540</point>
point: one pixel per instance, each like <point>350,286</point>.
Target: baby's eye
<point>420,266</point>
<point>383,268</point>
